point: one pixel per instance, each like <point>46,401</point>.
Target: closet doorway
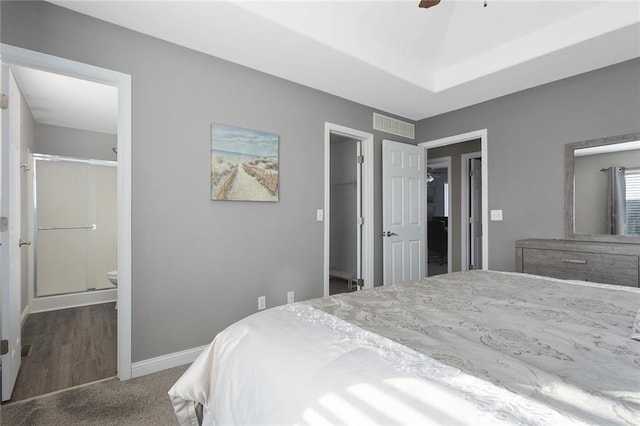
<point>348,210</point>
<point>345,251</point>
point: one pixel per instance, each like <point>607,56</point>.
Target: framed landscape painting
<point>244,164</point>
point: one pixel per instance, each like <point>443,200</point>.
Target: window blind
<point>632,182</point>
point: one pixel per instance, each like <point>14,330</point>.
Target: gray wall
<point>68,142</point>
<point>343,249</point>
<point>27,143</point>
<point>527,132</point>
<point>199,265</point>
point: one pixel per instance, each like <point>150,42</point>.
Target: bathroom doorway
<point>69,145</point>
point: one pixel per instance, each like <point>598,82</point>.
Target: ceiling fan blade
<point>428,3</point>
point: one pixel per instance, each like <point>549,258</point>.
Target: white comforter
<point>298,364</point>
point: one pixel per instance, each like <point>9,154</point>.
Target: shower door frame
<point>57,300</point>
<point>32,59</point>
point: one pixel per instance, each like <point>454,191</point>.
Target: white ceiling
<point>68,102</point>
<point>391,55</point>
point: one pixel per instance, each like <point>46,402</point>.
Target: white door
<point>475,207</point>
<point>10,238</point>
<point>403,211</point>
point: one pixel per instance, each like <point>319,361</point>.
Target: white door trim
<point>29,58</point>
<point>464,137</point>
<point>441,162</point>
<point>367,200</point>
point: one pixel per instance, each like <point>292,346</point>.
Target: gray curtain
<point>616,207</point>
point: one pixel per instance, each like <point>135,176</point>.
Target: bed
<point>476,347</point>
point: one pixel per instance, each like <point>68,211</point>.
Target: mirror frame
<point>570,187</point>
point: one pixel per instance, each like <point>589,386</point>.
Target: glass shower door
<point>75,226</point>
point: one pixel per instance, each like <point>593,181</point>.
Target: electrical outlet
<point>262,302</point>
<point>290,297</point>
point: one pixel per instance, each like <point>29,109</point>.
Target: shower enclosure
<point>75,224</point>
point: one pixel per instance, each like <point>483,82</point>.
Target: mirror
<point>602,188</point>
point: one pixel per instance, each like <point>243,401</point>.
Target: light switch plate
<point>496,215</point>
<point>319,215</point>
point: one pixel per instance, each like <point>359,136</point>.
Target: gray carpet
<point>141,401</point>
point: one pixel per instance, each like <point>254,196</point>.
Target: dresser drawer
<point>572,274</point>
<point>599,263</point>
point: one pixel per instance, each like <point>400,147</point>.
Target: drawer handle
<point>580,262</point>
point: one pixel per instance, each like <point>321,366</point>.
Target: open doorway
<point>69,332</point>
<point>345,251</point>
<point>438,212</point>
<point>36,301</point>
<point>460,149</point>
<point>348,210</point>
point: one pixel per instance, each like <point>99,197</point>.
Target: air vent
<point>393,126</point>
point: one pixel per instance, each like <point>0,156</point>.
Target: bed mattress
<point>465,348</point>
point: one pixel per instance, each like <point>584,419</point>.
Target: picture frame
<point>245,164</point>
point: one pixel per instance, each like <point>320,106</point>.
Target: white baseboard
<point>25,314</point>
<point>163,362</point>
<point>63,301</point>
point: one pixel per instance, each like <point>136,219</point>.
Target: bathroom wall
<point>68,142</point>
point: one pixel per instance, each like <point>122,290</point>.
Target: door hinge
<point>4,101</point>
<point>4,223</point>
<point>361,221</point>
<point>4,347</point>
<point>470,220</point>
<point>360,159</point>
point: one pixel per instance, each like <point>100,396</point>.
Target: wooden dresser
<point>610,263</point>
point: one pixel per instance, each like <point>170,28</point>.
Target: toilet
<point>113,277</point>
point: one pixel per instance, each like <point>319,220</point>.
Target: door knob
<point>389,234</point>
<point>24,243</point>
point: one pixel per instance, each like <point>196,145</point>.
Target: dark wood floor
<point>338,285</point>
<point>69,347</point>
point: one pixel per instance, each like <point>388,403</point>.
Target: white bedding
<point>393,361</point>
